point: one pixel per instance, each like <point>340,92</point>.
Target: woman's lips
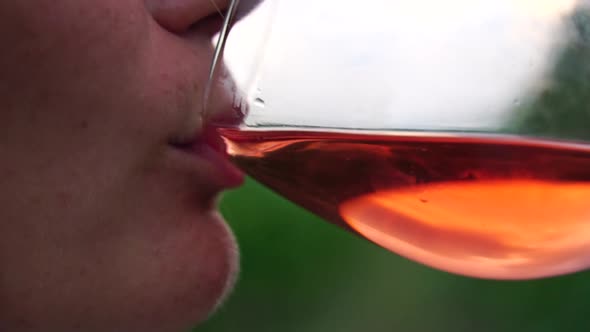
<point>209,146</point>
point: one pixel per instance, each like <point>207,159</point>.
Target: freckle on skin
<point>84,124</point>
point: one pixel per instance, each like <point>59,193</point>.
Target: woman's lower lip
<point>225,173</point>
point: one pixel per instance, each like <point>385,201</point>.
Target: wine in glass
<point>455,133</point>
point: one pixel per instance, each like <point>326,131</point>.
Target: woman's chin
<point>202,274</point>
<point>230,270</point>
<point>220,262</point>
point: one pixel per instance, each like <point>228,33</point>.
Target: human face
<point>108,174</point>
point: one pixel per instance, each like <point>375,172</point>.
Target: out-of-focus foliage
<point>302,274</point>
<point>562,108</point>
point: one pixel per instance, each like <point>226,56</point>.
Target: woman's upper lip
<point>209,145</point>
<point>231,117</point>
<point>211,137</point>
<point>208,136</point>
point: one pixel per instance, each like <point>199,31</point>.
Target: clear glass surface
<point>454,133</point>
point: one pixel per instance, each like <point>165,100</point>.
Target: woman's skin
<point>108,179</point>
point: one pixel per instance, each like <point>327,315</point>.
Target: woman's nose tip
<point>179,15</point>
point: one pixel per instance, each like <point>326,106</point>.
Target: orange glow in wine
<point>483,206</point>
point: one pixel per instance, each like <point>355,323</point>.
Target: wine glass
<point>454,133</point>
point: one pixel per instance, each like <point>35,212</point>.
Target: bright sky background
<point>453,64</point>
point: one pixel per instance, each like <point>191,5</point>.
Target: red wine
<point>497,207</point>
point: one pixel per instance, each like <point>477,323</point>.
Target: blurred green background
<point>302,274</point>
